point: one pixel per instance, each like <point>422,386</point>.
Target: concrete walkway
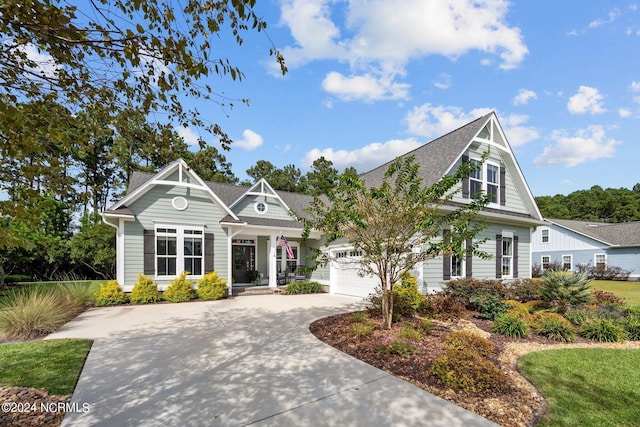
<point>238,362</point>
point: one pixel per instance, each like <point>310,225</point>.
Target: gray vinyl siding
<point>483,269</point>
<point>514,196</point>
<point>246,207</point>
<point>625,258</point>
<point>155,207</point>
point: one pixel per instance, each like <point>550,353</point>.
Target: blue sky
<point>370,80</point>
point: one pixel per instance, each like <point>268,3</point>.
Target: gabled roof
<point>438,158</point>
<point>622,234</point>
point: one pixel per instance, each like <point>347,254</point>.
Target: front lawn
<point>587,387</point>
<point>630,291</point>
<point>53,365</point>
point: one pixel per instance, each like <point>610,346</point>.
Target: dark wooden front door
<point>244,261</point>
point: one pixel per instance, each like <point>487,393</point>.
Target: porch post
<point>273,268</point>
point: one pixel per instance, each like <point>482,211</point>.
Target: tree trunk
<point>387,308</point>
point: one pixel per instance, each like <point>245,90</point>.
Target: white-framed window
<point>178,249</point>
<point>600,260</point>
<point>283,262</point>
<point>485,178</point>
<point>545,262</point>
<point>544,233</point>
<point>261,207</point>
<point>507,255</point>
<point>567,262</point>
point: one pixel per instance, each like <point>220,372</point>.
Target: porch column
<point>273,268</point>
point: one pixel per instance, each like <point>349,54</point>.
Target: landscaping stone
<point>22,407</point>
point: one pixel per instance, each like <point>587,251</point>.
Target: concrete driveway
<point>238,362</point>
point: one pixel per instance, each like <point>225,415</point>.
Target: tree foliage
<point>395,226</point>
<point>596,204</point>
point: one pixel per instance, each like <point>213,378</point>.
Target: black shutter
<point>503,186</point>
<point>468,260</point>
<point>446,260</point>
<point>149,266</point>
<point>208,253</point>
<point>465,180</point>
<point>515,256</point>
<point>498,256</point>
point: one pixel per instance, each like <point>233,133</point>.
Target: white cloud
<point>365,158</point>
<point>524,96</point>
<point>610,18</point>
<point>634,87</point>
<point>515,130</point>
<point>250,140</point>
<point>587,100</point>
<point>189,136</point>
<point>364,87</point>
<point>443,81</point>
<point>45,65</point>
<point>586,145</point>
<point>376,36</point>
<point>430,121</point>
<point>624,113</point>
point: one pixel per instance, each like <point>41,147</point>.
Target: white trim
<point>595,262</point>
<point>265,190</point>
<point>257,209</point>
<point>570,262</point>
<point>180,203</point>
<point>180,236</point>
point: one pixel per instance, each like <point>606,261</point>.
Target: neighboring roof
<point>621,234</point>
<point>435,157</point>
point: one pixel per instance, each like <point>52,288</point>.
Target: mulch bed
<point>519,405</point>
<point>22,407</point>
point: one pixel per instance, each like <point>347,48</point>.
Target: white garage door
<point>347,281</point>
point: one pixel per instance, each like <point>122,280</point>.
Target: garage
<point>345,279</point>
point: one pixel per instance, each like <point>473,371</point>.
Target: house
<point>173,221</point>
<point>573,243</point>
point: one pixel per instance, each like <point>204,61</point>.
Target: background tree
<point>322,177</point>
<point>595,204</point>
<point>210,165</point>
<point>288,178</point>
<point>130,57</point>
<point>388,223</point>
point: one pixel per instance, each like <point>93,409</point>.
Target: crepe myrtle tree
<point>397,225</point>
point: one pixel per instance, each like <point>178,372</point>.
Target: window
<point>545,235</point>
<point>485,178</point>
<point>261,208</point>
<point>179,249</point>
<point>567,262</point>
<point>600,261</point>
<point>285,263</point>
<point>546,262</point>
<point>507,256</point>
<point>493,182</point>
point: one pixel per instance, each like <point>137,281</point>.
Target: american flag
<point>283,242</point>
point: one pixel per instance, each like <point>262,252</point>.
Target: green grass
<point>630,291</point>
<point>587,387</point>
<point>53,365</point>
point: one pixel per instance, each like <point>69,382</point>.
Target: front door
<point>244,261</point>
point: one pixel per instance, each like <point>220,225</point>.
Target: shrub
<point>303,288</point>
<point>361,329</point>
<point>606,299</point>
<point>399,346</point>
<point>78,295</point>
<point>109,293</point>
<point>510,325</point>
<point>464,369</point>
<point>465,289</point>
<point>517,309</point>
<point>410,333</point>
<point>441,305</point>
<point>180,289</point>
<point>604,272</point>
<point>358,317</point>
<point>461,340</point>
<point>406,295</point>
<point>145,291</point>
<point>562,289</point>
<point>578,316</point>
<point>554,326</point>
<point>524,289</point>
<point>488,305</point>
<point>33,313</point>
<point>632,327</point>
<point>425,325</point>
<point>211,287</point>
<point>602,331</point>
